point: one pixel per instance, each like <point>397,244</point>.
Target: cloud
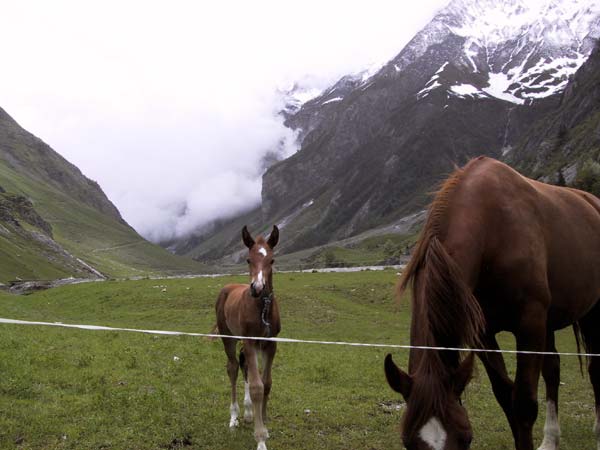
<point>171,109</point>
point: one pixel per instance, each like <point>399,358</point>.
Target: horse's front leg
<point>256,392</point>
<point>502,385</point>
<point>551,374</point>
<point>232,371</point>
<point>530,337</point>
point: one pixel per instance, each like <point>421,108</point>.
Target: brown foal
<point>250,310</point>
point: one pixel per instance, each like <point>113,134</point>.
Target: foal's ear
<point>463,374</point>
<point>274,237</point>
<point>248,241</point>
<point>397,379</point>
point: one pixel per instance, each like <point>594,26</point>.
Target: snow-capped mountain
<point>517,50</point>
<point>524,49</point>
<point>473,81</point>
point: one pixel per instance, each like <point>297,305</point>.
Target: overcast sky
<point>170,106</point>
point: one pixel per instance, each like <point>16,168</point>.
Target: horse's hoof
<point>248,416</point>
<point>261,446</point>
<point>233,423</point>
<point>548,445</point>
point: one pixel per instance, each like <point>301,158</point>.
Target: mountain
<point>55,222</point>
<point>472,82</point>
<point>567,139</point>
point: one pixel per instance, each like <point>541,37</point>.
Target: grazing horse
<point>498,252</point>
<point>251,310</point>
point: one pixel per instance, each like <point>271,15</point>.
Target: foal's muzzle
<point>254,291</point>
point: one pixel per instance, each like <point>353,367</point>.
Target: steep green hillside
<point>82,227</point>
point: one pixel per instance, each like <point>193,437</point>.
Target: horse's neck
<point>429,359</point>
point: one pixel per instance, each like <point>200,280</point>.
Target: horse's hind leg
<point>594,371</point>
<point>269,350</point>
<point>551,374</point>
<point>591,337</point>
<point>232,371</point>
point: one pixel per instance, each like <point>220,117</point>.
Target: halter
<point>267,299</point>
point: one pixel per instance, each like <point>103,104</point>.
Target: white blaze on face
<point>433,434</point>
<point>262,251</point>
<point>258,282</point>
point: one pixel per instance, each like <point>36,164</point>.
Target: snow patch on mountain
<point>296,96</point>
<point>332,100</point>
<point>527,49</point>
<point>433,82</point>
<point>463,90</point>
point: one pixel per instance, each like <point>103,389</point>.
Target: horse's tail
<point>440,296</point>
<point>213,330</point>
<point>243,365</point>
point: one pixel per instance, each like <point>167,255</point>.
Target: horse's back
<point>527,238</point>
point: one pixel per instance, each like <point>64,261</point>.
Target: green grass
<point>373,250</point>
<point>74,389</point>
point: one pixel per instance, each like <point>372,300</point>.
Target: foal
<point>251,311</point>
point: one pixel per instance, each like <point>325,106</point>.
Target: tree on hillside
<point>588,177</point>
<point>561,178</point>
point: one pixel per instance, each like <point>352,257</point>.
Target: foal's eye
<point>248,260</point>
<point>272,261</point>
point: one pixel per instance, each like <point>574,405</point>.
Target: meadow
<point>75,389</point>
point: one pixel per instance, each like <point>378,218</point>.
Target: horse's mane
<point>443,307</point>
<point>442,302</point>
<point>433,228</point>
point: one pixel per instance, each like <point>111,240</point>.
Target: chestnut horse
<point>498,252</point>
<point>251,310</point>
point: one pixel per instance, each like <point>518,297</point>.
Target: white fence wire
<point>285,340</point>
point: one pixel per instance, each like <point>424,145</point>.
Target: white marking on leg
<point>551,428</point>
<point>234,410</point>
<point>261,446</point>
<point>262,251</point>
<point>248,414</point>
<point>433,434</point>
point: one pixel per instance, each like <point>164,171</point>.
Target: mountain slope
<point>73,229</point>
<point>472,82</point>
<point>568,137</point>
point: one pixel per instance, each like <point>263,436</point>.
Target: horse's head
<point>260,260</point>
<point>435,418</point>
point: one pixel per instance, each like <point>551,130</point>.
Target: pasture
<point>75,389</point>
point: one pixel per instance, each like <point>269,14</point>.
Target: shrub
<point>588,177</point>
